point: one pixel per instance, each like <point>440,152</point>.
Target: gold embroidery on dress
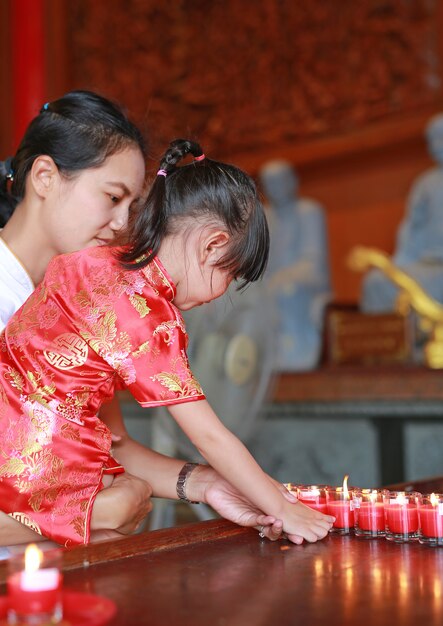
<point>180,381</point>
<point>40,392</point>
<point>69,351</point>
<point>140,305</point>
<point>167,328</point>
<point>142,349</point>
<point>15,379</point>
<point>73,406</point>
<point>26,521</point>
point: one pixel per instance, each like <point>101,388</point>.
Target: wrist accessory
<point>183,476</point>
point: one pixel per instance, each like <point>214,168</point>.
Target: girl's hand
<point>300,521</point>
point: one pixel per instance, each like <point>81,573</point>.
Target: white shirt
<point>15,284</point>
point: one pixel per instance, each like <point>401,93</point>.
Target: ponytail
<point>150,225</point>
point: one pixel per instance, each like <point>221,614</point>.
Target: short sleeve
<point>161,372</point>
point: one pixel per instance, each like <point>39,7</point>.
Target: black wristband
<point>183,476</point>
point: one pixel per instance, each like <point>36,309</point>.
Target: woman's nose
<point>120,219</point>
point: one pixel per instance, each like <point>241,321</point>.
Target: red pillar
<point>28,63</point>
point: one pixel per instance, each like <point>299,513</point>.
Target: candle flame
<point>33,558</point>
<point>373,496</point>
<point>433,499</point>
<point>401,499</point>
<point>345,486</point>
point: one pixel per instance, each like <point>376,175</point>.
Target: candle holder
<point>34,587</point>
<point>313,496</point>
<point>430,513</point>
<point>369,513</point>
<point>401,515</point>
<point>339,504</point>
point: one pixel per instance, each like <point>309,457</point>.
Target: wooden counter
<point>218,574</point>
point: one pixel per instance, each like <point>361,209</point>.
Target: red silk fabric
<point>89,328</point>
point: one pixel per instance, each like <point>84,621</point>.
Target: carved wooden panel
<point>246,75</point>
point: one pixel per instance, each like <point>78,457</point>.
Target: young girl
<point>103,318</point>
<point>69,199</point>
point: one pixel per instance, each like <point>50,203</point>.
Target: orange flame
<point>373,496</point>
<point>33,558</point>
<point>345,487</point>
<point>433,499</point>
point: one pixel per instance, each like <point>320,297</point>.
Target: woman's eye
<point>115,199</point>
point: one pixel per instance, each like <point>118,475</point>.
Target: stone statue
<point>298,273</point>
<point>419,247</point>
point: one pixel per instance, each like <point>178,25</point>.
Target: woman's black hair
<point>78,131</point>
<point>7,201</point>
<point>202,190</point>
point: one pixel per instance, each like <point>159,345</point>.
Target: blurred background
<point>341,90</point>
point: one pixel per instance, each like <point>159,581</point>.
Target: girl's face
<point>201,287</point>
<point>92,208</point>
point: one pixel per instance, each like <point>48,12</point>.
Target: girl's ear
<point>215,245</point>
<point>43,175</point>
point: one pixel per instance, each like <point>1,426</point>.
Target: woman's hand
<point>206,485</point>
<point>123,505</point>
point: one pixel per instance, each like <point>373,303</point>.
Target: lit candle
<point>340,505</point>
<point>430,512</point>
<point>401,515</point>
<point>369,513</point>
<point>34,592</point>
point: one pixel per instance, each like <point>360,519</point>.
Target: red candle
<point>431,520</point>
<point>313,496</point>
<point>430,513</point>
<point>318,503</point>
<point>35,591</point>
<point>371,516</point>
<point>340,505</point>
<point>402,518</point>
<point>341,509</point>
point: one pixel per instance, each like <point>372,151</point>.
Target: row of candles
<point>34,588</point>
<point>396,515</point>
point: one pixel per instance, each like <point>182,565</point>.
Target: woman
<point>77,173</point>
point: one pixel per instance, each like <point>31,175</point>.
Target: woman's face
<point>90,209</point>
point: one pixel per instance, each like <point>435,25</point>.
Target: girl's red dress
<point>90,328</point>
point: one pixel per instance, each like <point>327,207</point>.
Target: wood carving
<point>246,75</point>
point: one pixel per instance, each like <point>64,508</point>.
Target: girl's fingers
<point>298,539</point>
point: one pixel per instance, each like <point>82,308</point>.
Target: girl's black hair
<point>78,131</point>
<point>202,190</point>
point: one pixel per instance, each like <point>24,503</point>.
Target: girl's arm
<point>204,484</point>
<point>226,454</point>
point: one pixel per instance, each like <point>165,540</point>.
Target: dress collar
<point>160,278</point>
